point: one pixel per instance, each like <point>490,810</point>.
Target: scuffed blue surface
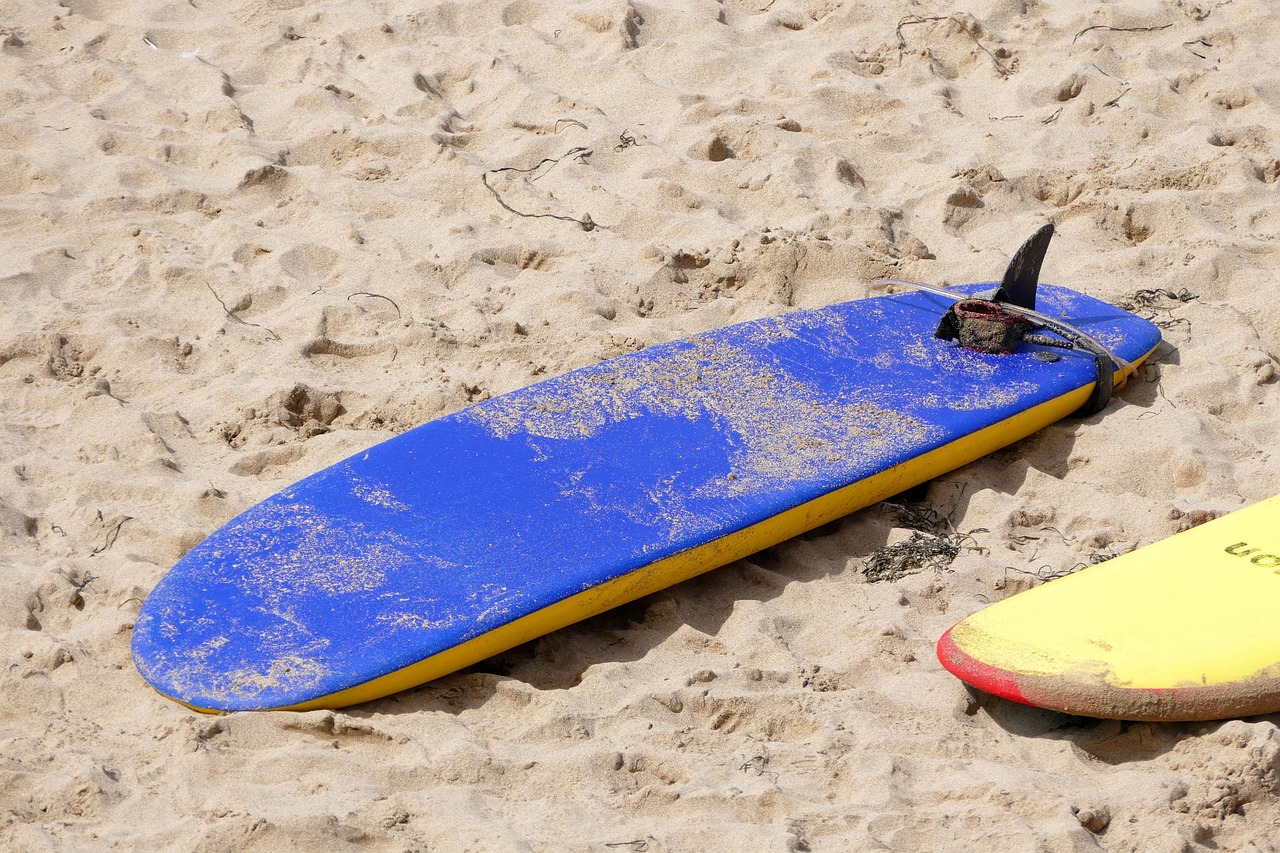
<point>471,521</point>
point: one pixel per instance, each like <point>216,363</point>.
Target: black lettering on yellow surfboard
<point>1266,561</point>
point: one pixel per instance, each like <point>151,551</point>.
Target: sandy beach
<point>240,242</point>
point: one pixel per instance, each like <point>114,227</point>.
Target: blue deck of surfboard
<point>468,522</point>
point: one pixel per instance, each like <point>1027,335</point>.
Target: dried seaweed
<point>934,544</point>
<point>919,517</point>
<point>112,529</point>
<point>1116,99</point>
<point>239,320</point>
<point>1121,29</point>
<point>1152,303</point>
<point>1001,67</point>
<point>77,598</point>
<point>377,296</point>
<point>1200,41</point>
<point>625,140</point>
<point>1049,573</point>
<point>586,222</point>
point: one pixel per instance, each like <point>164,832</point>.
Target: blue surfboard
<point>524,513</point>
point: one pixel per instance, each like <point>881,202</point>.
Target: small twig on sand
<point>914,19</point>
<point>1116,99</point>
<point>378,296</point>
<point>1121,29</point>
<point>234,317</point>
<point>1200,41</point>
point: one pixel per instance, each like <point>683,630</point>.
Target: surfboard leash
<point>997,327</point>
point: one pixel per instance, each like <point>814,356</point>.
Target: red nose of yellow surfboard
<point>1184,629</point>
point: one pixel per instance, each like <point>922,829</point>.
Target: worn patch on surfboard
<point>1183,629</point>
<point>519,515</point>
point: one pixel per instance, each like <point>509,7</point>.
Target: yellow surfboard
<point>1185,629</point>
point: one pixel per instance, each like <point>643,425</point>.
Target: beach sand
<point>239,242</point>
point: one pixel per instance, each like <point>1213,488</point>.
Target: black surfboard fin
<point>1019,284</point>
